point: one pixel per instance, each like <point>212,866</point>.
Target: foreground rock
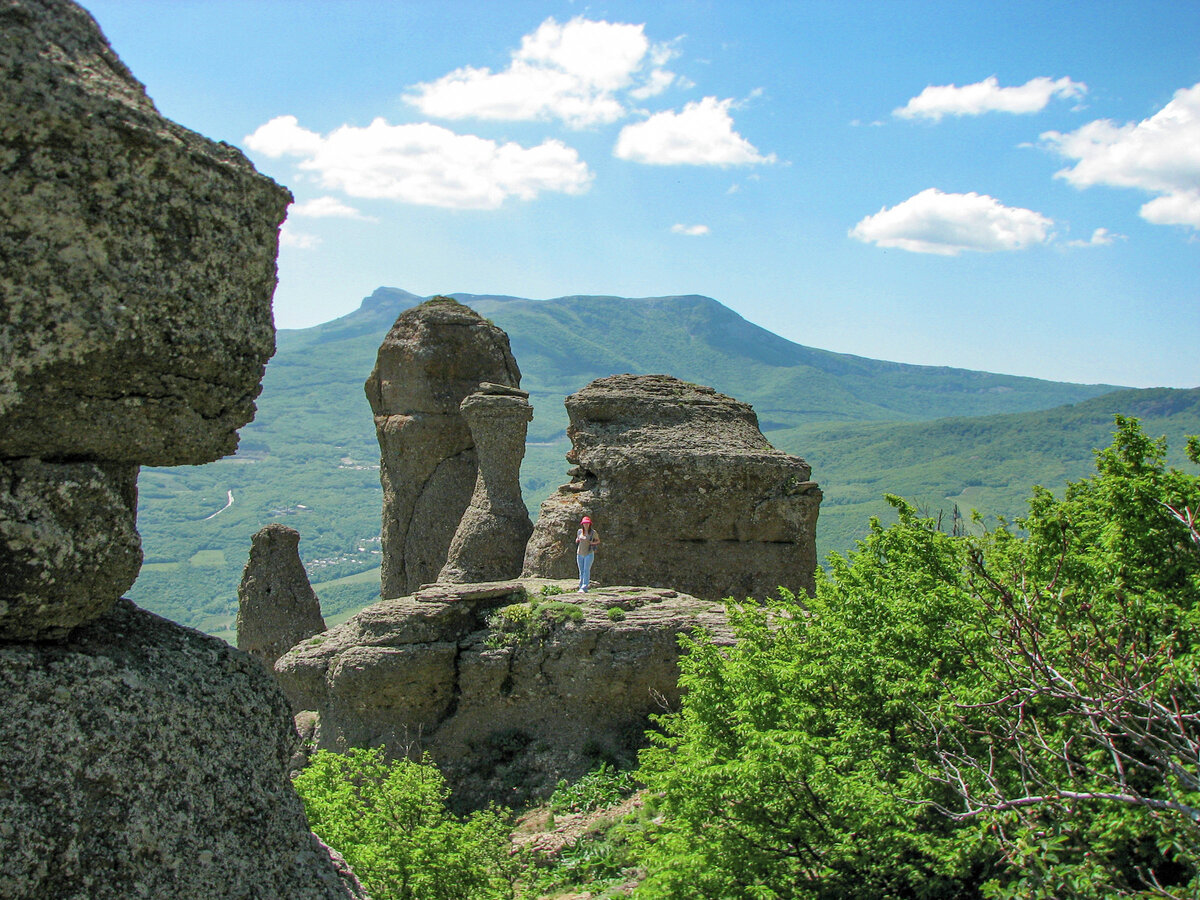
<point>138,759</point>
<point>684,491</point>
<point>432,358</point>
<point>506,696</point>
<point>277,607</point>
<point>141,759</point>
<point>137,263</point>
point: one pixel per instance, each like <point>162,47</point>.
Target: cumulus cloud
<point>1159,155</point>
<point>689,230</point>
<point>700,135</point>
<point>424,164</point>
<point>574,72</point>
<point>288,237</point>
<point>948,224</point>
<point>987,96</point>
<point>1101,237</point>
<point>326,208</point>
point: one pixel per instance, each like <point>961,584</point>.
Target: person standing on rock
<point>586,541</point>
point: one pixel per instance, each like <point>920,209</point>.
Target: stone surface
<point>277,607</point>
<point>684,491</point>
<point>68,544</point>
<point>431,359</point>
<point>489,544</point>
<point>137,259</point>
<point>504,713</point>
<point>141,759</point>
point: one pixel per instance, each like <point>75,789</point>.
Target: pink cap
<point>585,521</point>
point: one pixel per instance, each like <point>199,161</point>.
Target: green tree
<point>1008,715</point>
<point>390,822</point>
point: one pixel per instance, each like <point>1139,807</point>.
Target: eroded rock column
<point>431,359</point>
<point>277,607</point>
<point>489,544</point>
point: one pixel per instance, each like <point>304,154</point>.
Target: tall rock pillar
<point>489,544</point>
<point>433,357</point>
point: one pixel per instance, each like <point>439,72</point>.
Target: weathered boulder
<point>137,263</point>
<point>684,491</point>
<point>137,259</point>
<point>506,695</point>
<point>489,544</point>
<point>431,359</point>
<point>142,759</point>
<point>277,607</point>
<point>68,544</point>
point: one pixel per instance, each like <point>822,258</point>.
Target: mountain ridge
<point>935,434</point>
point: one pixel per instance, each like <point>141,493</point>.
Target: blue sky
<point>1013,187</point>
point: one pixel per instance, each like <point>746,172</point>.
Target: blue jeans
<point>585,570</point>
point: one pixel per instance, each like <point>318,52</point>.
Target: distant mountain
<point>866,426</point>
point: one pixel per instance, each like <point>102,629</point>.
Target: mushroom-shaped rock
<point>489,544</point>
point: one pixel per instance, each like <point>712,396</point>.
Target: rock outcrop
<point>489,544</point>
<point>142,759</point>
<point>434,356</point>
<point>684,490</point>
<point>506,695</point>
<point>137,262</point>
<point>277,607</point>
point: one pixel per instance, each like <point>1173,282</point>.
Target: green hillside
<point>310,459</point>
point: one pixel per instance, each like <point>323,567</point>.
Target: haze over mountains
<point>938,436</point>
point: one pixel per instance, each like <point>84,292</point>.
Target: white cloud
<point>1160,155</point>
<point>689,230</point>
<point>947,224</point>
<point>987,96</point>
<point>301,241</point>
<point>573,72</point>
<point>1101,237</point>
<point>424,164</point>
<point>700,135</point>
<point>326,208</point>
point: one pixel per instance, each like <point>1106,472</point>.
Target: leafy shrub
<point>529,623</point>
<point>390,821</point>
<point>598,789</point>
<point>615,613</point>
<point>1005,715</point>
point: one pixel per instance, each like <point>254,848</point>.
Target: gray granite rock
<point>507,697</point>
<point>431,359</point>
<point>137,259</point>
<point>68,544</point>
<point>141,759</point>
<point>684,492</point>
<point>277,607</point>
<point>489,544</point>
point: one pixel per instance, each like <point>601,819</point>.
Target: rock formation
<point>137,262</point>
<point>277,607</point>
<point>684,490</point>
<point>489,544</point>
<point>143,759</point>
<point>506,696</point>
<point>431,359</point>
<point>129,248</point>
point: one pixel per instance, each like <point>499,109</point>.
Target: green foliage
<point>389,820</point>
<point>1007,714</point>
<point>529,623</point>
<point>615,613</point>
<point>550,590</point>
<point>595,790</point>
